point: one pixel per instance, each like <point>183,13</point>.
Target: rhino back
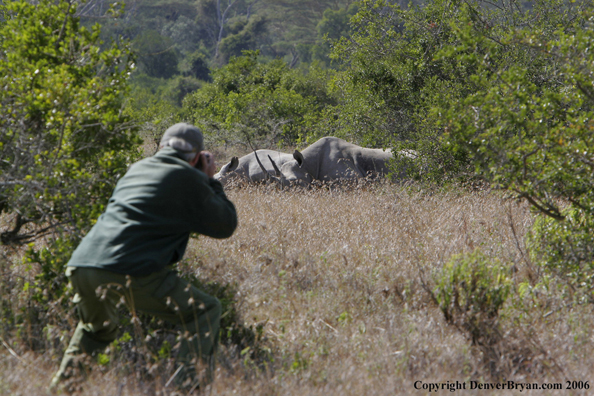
<point>371,161</point>
<point>335,158</point>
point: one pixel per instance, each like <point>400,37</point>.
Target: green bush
<point>259,104</point>
<point>392,79</point>
<point>470,291</point>
<point>64,139</point>
<point>528,127</point>
<point>471,71</point>
<point>566,249</point>
<point>64,142</point>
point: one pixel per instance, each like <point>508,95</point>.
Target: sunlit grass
<point>340,280</point>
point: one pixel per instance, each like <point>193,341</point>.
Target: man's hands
<point>206,163</point>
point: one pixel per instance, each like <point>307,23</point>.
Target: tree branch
<point>551,212</point>
<point>63,26</point>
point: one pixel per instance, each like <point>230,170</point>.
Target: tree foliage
<point>391,78</point>
<point>64,140</point>
<point>334,25</point>
<point>254,103</point>
<point>528,129</point>
<point>400,73</point>
<point>156,54</point>
<point>293,26</point>
<point>245,35</point>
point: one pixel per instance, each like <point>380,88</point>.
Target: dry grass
<point>339,278</point>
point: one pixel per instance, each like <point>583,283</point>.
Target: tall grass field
<point>343,290</point>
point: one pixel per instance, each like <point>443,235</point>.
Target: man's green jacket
<point>154,208</point>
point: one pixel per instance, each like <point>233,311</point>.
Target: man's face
<point>196,162</point>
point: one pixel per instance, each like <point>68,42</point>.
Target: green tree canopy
<point>528,128</point>
<point>258,103</point>
<point>528,124</point>
<point>156,54</point>
<point>396,76</point>
<point>63,138</point>
<point>243,36</point>
<point>334,25</point>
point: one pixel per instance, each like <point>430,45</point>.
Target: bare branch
<point>66,17</point>
<point>550,211</point>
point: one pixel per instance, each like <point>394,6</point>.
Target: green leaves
<point>528,130</point>
<point>566,249</point>
<point>260,104</point>
<point>393,81</point>
<point>470,291</point>
<point>64,138</point>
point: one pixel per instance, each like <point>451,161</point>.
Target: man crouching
<point>145,229</point>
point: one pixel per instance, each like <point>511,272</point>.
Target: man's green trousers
<point>162,294</point>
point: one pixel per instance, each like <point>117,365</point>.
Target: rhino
<point>331,158</point>
<point>251,167</point>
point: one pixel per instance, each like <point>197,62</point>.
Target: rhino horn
<point>261,166</point>
<point>299,157</point>
<point>276,170</point>
<point>268,175</point>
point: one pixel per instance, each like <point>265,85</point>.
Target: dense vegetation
<point>499,92</point>
<point>64,136</point>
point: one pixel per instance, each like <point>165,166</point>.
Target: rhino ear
<point>299,157</point>
<point>233,164</point>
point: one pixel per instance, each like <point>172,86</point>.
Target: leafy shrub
<point>392,79</point>
<point>566,249</point>
<point>528,131</point>
<point>528,128</point>
<point>64,142</point>
<point>413,74</point>
<point>260,104</point>
<point>470,291</point>
<point>64,138</point>
<point>152,106</point>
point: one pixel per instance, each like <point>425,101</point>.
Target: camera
<point>199,164</point>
